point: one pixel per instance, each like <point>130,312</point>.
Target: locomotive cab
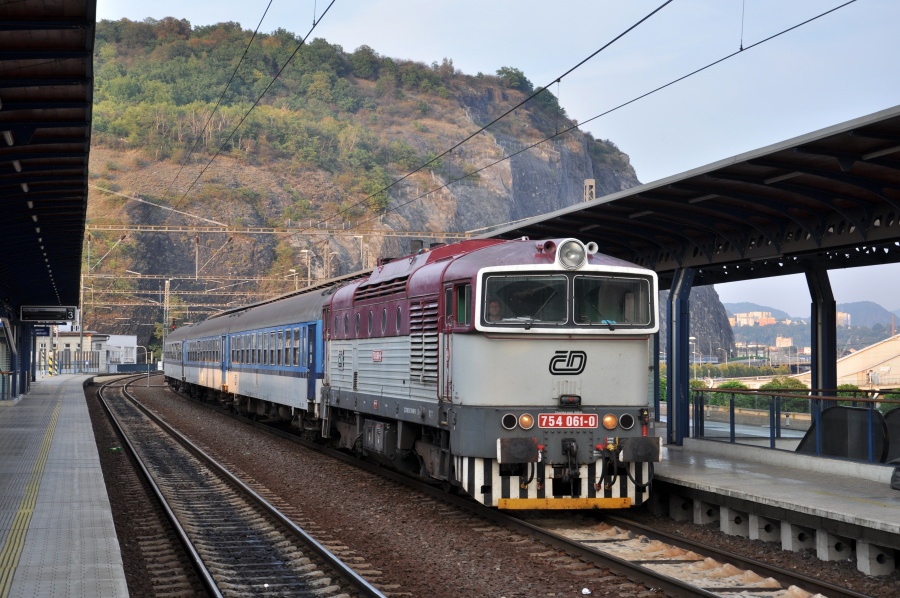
<point>559,370</point>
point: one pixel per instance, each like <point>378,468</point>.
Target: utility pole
<point>308,273</point>
<point>80,319</point>
<point>166,313</point>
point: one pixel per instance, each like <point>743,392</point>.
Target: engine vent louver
<point>423,342</point>
<point>396,286</point>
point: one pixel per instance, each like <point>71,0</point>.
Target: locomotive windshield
<point>524,299</point>
<point>557,300</point>
<point>608,300</point>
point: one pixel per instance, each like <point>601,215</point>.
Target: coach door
<point>226,361</point>
<point>309,334</point>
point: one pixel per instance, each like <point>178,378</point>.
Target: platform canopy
<point>46,92</point>
<point>828,199</point>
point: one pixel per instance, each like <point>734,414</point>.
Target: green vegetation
<point>158,83</point>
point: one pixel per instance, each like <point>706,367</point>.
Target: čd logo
<point>568,363</point>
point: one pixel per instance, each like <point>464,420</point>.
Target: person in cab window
<point>495,311</point>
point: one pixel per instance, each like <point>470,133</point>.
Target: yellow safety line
<point>15,540</point>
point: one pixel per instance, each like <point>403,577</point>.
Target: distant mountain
<point>865,313</point>
<point>744,307</point>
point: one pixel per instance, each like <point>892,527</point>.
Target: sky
<point>834,69</point>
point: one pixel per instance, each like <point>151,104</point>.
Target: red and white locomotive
<point>518,371</point>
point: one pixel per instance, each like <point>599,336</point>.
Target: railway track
<point>239,543</point>
<point>717,571</point>
<point>673,565</point>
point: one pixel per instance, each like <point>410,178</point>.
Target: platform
<point>841,509</point>
<point>56,526</point>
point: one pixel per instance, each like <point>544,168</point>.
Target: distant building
<point>65,351</point>
<point>842,319</point>
<point>783,342</point>
<point>752,318</point>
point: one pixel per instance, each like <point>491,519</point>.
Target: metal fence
<point>791,419</point>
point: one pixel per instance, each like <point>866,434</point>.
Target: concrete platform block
<point>767,530</point>
<point>680,508</point>
<point>872,559</point>
<point>658,505</point>
<point>705,513</point>
<point>796,537</point>
<point>734,523</point>
<point>832,548</point>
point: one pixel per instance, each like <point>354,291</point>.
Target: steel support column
<point>678,389</point>
<point>654,390</point>
<point>823,330</point>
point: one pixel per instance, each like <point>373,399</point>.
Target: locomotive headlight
<point>572,254</point>
<point>526,421</point>
<point>626,420</point>
<point>610,421</point>
<point>508,421</point>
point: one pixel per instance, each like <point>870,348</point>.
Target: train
<point>520,372</point>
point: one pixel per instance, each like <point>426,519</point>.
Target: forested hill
<point>333,129</point>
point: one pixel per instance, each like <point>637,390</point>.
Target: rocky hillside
<point>709,322</point>
<point>321,150</point>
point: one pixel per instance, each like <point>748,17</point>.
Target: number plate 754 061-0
<point>567,420</point>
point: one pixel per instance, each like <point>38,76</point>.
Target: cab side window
<point>464,304</point>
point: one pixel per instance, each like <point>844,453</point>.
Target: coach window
<point>288,347</point>
<point>253,348</point>
<point>464,304</point>
<point>279,347</point>
<point>383,320</point>
<point>296,350</point>
<point>272,348</point>
<point>399,317</point>
<point>370,322</point>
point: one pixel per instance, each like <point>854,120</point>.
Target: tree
<point>721,398</point>
<point>791,385</point>
<point>364,63</point>
<point>514,79</point>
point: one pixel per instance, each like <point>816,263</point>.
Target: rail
<point>790,419</point>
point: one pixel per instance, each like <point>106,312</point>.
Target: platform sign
<point>47,314</point>
<point>40,331</point>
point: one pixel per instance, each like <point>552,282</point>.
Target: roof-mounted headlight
<point>572,254</point>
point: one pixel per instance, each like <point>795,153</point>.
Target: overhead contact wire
<point>256,103</point>
<point>611,110</point>
<point>218,102</point>
<point>499,118</point>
